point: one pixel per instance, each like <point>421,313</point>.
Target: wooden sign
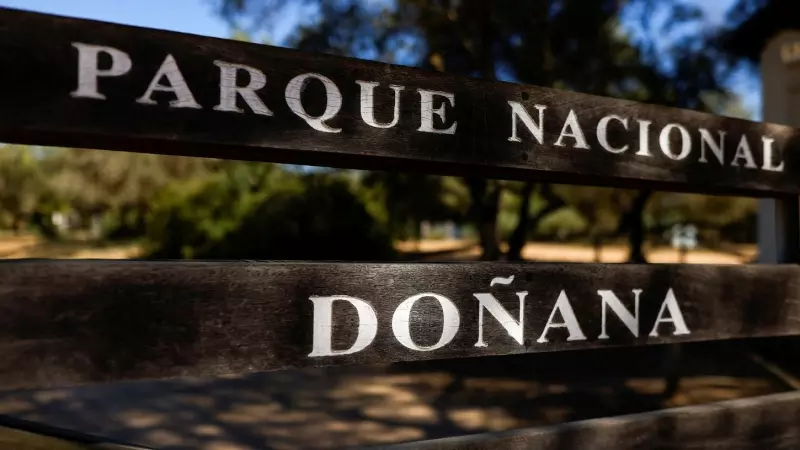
<point>70,321</point>
<point>81,83</point>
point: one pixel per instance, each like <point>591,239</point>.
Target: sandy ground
<point>29,246</point>
<point>34,247</point>
<point>555,252</point>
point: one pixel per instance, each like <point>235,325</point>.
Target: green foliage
<point>95,181</point>
<point>563,224</point>
<point>319,219</point>
<point>600,208</point>
<point>267,215</point>
<point>191,217</point>
<point>23,186</point>
<point>402,200</point>
<point>713,215</point>
<point>118,185</point>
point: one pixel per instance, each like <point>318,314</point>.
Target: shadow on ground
<point>354,406</point>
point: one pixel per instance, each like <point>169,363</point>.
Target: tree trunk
<point>518,238</point>
<point>16,224</point>
<point>485,203</point>
<point>554,203</point>
<point>597,242</point>
<point>633,223</point>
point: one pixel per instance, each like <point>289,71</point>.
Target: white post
<point>778,223</point>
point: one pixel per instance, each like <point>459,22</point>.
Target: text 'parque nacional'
<point>242,89</point>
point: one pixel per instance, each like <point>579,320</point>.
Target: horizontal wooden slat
<point>64,322</point>
<point>20,434</point>
<point>80,83</point>
<point>768,422</point>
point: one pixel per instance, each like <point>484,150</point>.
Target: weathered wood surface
<point>768,422</point>
<point>80,83</point>
<point>66,322</point>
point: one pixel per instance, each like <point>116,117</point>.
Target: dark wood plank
<point>80,83</point>
<point>20,434</point>
<point>768,422</point>
<point>64,322</point>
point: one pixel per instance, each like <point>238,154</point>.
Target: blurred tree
<point>319,218</point>
<point>569,44</point>
<point>22,184</point>
<point>710,214</point>
<point>190,217</point>
<point>95,182</point>
<point>258,211</point>
<point>408,199</point>
<point>552,202</point>
<point>599,206</point>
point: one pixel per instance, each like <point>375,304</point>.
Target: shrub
<point>286,217</point>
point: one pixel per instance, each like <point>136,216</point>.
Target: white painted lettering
<point>629,320</point>
<point>644,138</point>
<point>323,325</point>
<point>402,317</point>
<point>666,144</point>
<point>717,148</point>
<point>89,70</point>
<point>228,88</point>
<point>519,112</point>
<point>368,104</point>
<point>675,316</point>
<point>574,132</point>
<point>294,90</point>
<point>177,85</point>
<point>514,328</point>
<point>427,111</point>
<point>743,152</point>
<point>602,133</point>
<point>767,152</point>
<point>570,321</point>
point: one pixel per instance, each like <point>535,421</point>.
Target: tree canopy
<point>567,44</point>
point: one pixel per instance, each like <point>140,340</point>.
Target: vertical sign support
<point>778,221</point>
<point>778,228</point>
<point>779,218</point>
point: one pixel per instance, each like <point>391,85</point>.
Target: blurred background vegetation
<point>175,207</point>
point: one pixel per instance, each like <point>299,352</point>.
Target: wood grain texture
<point>67,322</point>
<point>767,422</point>
<point>42,71</point>
<point>21,434</point>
